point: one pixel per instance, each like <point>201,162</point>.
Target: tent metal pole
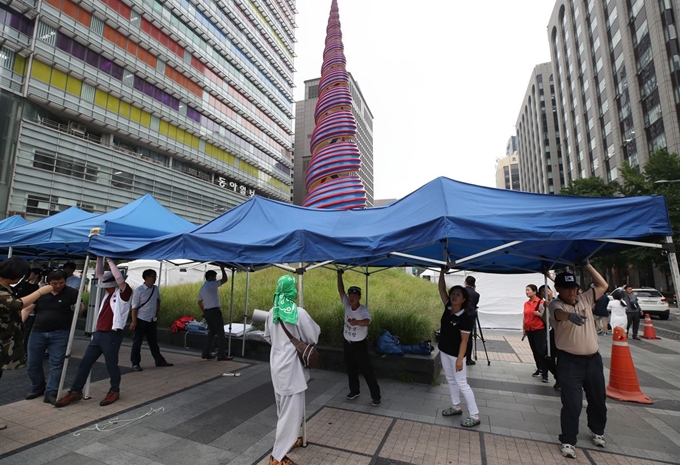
<point>9,252</point>
<point>160,275</point>
<point>415,257</point>
<point>366,299</point>
<point>673,264</point>
<point>231,314</point>
<point>319,264</point>
<point>301,287</point>
<point>74,322</point>
<point>633,243</point>
<point>547,319</point>
<point>245,315</point>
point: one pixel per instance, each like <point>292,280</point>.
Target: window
<point>122,179</point>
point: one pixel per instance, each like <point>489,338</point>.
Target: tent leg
<point>301,287</point>
<point>366,298</point>
<point>74,321</point>
<point>673,265</point>
<point>304,421</point>
<point>9,252</point>
<point>245,315</point>
<point>86,390</point>
<point>231,314</point>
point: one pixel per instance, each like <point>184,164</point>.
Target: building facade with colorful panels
<point>103,101</point>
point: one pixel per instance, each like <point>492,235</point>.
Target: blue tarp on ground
<point>12,222</point>
<point>443,220</point>
<point>66,236</point>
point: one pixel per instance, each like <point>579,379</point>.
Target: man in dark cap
<point>355,332</point>
<point>106,340</point>
<point>579,364</point>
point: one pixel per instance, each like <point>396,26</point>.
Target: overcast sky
<point>444,79</point>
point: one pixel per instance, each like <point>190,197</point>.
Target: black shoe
<point>352,395</point>
<point>50,397</point>
<point>376,403</point>
<point>470,362</point>
<point>636,338</point>
<point>207,356</point>
<point>34,394</point>
<point>165,364</point>
<point>545,380</point>
<point>137,368</point>
<point>556,386</point>
<point>224,358</point>
<point>536,374</point>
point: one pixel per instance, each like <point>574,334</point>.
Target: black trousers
<point>146,329</point>
<point>538,343</point>
<point>213,316</point>
<point>633,319</point>
<point>578,374</point>
<point>356,359</point>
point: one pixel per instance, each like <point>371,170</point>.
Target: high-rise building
<point>507,168</point>
<point>304,126</point>
<point>616,70</point>
<point>102,101</point>
<point>538,141</point>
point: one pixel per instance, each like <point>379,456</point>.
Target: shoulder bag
<point>307,353</point>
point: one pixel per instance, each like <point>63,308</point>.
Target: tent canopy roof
<point>443,221</point>
<point>67,234</point>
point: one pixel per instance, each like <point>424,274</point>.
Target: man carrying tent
<point>209,303</point>
<point>579,364</point>
<point>106,340</point>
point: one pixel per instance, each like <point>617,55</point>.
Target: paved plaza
<point>192,414</point>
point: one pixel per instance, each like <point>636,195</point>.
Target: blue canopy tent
<point>38,232</point>
<point>12,222</point>
<point>67,236</point>
<point>445,221</point>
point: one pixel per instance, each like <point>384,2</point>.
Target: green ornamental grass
<point>407,306</point>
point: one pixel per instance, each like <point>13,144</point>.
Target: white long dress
<point>618,313</point>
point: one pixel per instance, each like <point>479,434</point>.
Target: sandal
<point>3,427</point>
<point>469,422</point>
<point>297,443</point>
<point>452,411</point>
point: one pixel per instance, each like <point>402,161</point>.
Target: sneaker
<point>223,358</point>
<point>207,356</point>
<point>137,368</point>
<point>35,393</point>
<point>598,439</point>
<point>110,398</point>
<point>470,362</point>
<point>165,364</point>
<point>556,386</point>
<point>568,451</point>
<point>536,374</point>
<point>545,380</point>
<point>376,403</point>
<point>599,331</point>
<point>50,397</point>
<point>71,396</point>
<point>352,395</point>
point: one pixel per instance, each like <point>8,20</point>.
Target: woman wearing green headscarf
<point>289,377</point>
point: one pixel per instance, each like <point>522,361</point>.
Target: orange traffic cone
<point>623,382</point>
<point>649,332</point>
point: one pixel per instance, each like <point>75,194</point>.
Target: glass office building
<point>102,101</point>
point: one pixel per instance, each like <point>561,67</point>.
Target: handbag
<point>307,353</point>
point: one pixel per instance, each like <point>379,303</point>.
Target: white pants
<point>289,410</point>
<point>458,383</point>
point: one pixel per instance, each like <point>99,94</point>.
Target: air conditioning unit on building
<point>76,128</point>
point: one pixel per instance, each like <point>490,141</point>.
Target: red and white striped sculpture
<point>332,181</point>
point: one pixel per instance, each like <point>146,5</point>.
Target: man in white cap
<point>106,340</point>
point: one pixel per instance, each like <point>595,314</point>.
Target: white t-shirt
<point>209,294</point>
<point>355,333</point>
<point>618,313</point>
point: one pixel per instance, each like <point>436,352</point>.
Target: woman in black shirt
<point>456,326</point>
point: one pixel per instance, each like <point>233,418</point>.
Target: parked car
<point>653,302</point>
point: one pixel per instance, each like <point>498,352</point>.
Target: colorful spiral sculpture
<point>332,181</point>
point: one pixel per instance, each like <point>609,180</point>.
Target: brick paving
<point>191,414</point>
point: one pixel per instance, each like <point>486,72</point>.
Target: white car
<point>653,302</point>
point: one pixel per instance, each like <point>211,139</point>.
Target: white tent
<point>171,274</point>
<point>502,297</point>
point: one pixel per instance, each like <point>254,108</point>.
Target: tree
<point>590,187</point>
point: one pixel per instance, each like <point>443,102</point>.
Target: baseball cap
<point>354,290</point>
<point>108,280</point>
<point>566,280</point>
